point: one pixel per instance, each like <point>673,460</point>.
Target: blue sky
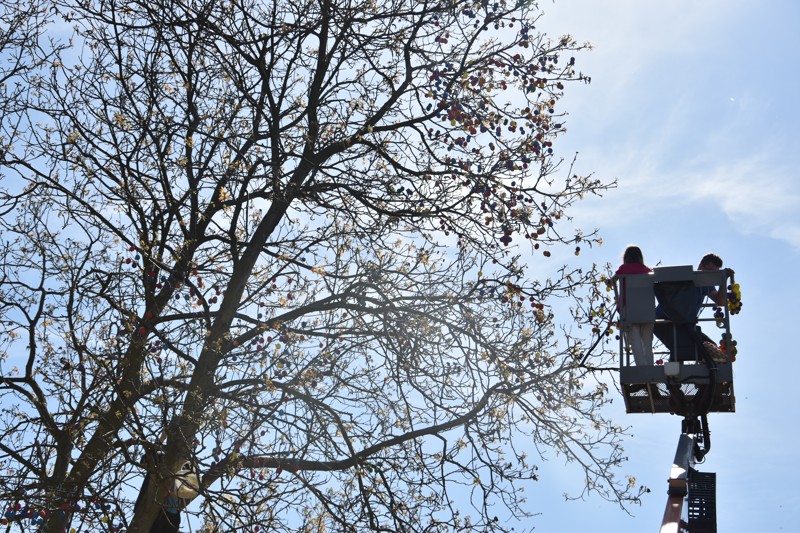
<point>693,107</point>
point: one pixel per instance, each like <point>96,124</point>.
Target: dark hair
<point>633,254</point>
<point>714,259</point>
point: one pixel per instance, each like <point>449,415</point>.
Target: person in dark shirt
<point>664,331</point>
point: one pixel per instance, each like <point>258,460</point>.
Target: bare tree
<point>21,28</point>
<point>273,256</point>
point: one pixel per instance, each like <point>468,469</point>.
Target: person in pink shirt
<point>639,336</point>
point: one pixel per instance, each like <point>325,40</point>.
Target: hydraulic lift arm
<point>678,484</point>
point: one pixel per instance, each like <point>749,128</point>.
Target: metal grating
<point>657,398</point>
<point>649,389</point>
<point>702,502</point>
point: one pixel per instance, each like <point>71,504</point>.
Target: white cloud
<point>679,111</point>
<point>756,196</point>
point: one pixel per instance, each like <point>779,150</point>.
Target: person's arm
<point>717,297</point>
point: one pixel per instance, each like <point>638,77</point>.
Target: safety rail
<point>692,377</point>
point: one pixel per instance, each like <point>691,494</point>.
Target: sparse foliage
<point>285,247</point>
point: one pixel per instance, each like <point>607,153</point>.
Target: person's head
<point>633,254</point>
<point>710,262</point>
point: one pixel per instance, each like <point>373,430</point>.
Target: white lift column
<point>678,484</point>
